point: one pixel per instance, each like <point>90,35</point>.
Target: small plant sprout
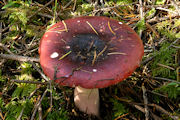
<point>97,53</point>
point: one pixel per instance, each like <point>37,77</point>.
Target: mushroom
<point>89,53</point>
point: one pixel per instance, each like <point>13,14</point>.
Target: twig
<point>166,79</point>
<point>62,57</point>
<point>165,66</point>
<point>152,57</point>
<point>154,31</point>
<point>2,62</point>
<point>0,31</point>
<point>121,116</point>
<point>109,26</point>
<point>5,48</point>
<point>92,27</point>
<point>74,7</point>
<point>37,105</point>
<point>141,15</point>
<point>159,108</point>
<point>147,60</point>
<point>156,93</point>
<point>141,9</point>
<point>146,109</point>
<point>46,15</point>
<point>32,93</point>
<point>162,110</point>
<point>25,51</point>
<point>108,8</point>
<point>155,116</point>
<point>156,19</point>
<point>176,6</point>
<point>31,51</point>
<point>104,49</point>
<point>138,107</point>
<point>150,91</point>
<point>116,53</point>
<point>132,117</point>
<point>174,46</point>
<point>29,16</point>
<point>19,117</point>
<point>102,3</point>
<point>1,115</point>
<point>51,99</point>
<point>46,113</point>
<point>40,9</point>
<point>19,58</point>
<point>37,101</point>
<point>46,79</point>
<point>40,112</point>
<point>69,3</point>
<point>30,82</point>
<point>4,1</point>
<point>155,6</point>
<point>94,58</point>
<point>40,72</point>
<point>167,10</point>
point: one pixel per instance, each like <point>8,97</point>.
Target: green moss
<point>83,9</point>
<point>87,7</point>
<point>58,115</point>
<point>2,78</point>
<point>141,25</point>
<point>171,89</point>
<point>23,89</point>
<point>118,108</point>
<point>2,104</point>
<point>165,57</point>
<point>169,28</point>
<point>14,108</point>
<point>160,2</point>
<point>150,13</point>
<point>120,2</point>
<point>17,14</point>
<point>58,111</point>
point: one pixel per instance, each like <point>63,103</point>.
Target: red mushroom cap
<point>91,52</point>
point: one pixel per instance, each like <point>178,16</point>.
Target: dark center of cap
<point>87,49</point>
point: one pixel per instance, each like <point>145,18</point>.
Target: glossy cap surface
<point>122,49</point>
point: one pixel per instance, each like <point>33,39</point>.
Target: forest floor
<point>152,92</point>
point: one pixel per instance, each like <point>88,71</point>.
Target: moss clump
<point>164,57</point>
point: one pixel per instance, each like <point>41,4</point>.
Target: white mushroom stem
<point>87,100</point>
